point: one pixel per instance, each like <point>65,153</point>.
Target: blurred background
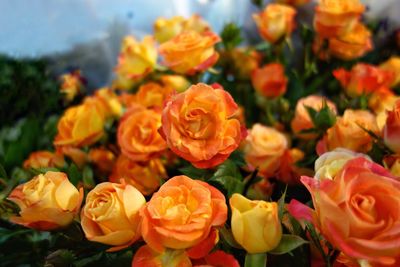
<point>86,34</point>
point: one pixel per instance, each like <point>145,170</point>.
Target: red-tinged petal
<point>300,211</point>
<point>205,246</point>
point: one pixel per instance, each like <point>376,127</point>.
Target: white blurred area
<point>86,34</point>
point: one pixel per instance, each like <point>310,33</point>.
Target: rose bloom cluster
<point>162,111</point>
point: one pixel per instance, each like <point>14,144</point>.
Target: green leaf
<point>231,36</point>
<point>228,168</point>
<point>230,184</point>
<point>193,172</point>
<point>281,204</point>
<point>3,173</point>
<point>287,244</point>
<point>74,174</point>
<point>87,176</point>
<point>228,237</point>
<point>255,260</point>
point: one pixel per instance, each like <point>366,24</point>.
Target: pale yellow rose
<point>330,163</point>
<point>48,201</point>
<point>255,224</point>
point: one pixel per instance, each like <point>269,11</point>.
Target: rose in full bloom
<point>255,224</point>
<point>199,127</point>
<point>44,159</point>
<point>391,131</point>
<point>302,120</point>
<point>166,29</point>
<point>351,45</point>
<point>103,158</point>
<point>393,65</point>
<point>111,214</point>
<point>347,132</point>
<point>358,212</point>
<point>190,52</point>
<point>48,201</point>
<point>270,80</point>
<point>147,257</point>
<point>337,17</point>
<point>245,61</point>
<point>177,82</point>
<point>363,79</point>
<point>263,149</point>
<point>153,94</point>
<point>71,84</point>
<point>135,61</point>
<point>181,213</point>
<point>330,163</point>
<point>145,177</point>
<point>80,125</point>
<point>138,135</point>
<point>275,22</point>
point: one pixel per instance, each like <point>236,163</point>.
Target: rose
<point>48,201</point>
<point>263,149</point>
<point>351,45</point>
<point>349,131</point>
<point>245,61</point>
<point>71,84</point>
<point>145,176</point>
<point>44,159</point>
<point>330,163</point>
<point>181,213</point>
<point>380,102</point>
<point>109,101</point>
<point>275,22</point>
<point>103,158</point>
<point>73,127</point>
<point>111,214</point>
<point>358,211</point>
<point>270,80</point>
<point>363,79</point>
<point>255,224</point>
<point>147,257</point>
<point>135,61</point>
<point>138,135</point>
<point>166,29</point>
<point>218,258</point>
<point>302,120</point>
<point>392,65</point>
<point>190,52</point>
<point>199,127</point>
<point>178,82</point>
<point>391,131</point>
<point>335,18</point>
<point>153,94</point>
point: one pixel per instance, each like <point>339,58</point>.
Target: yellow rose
<point>330,163</point>
<point>135,61</point>
<point>177,82</point>
<point>71,84</point>
<point>275,22</point>
<point>393,65</point>
<point>109,99</point>
<point>48,201</point>
<point>111,215</point>
<point>255,224</point>
<point>73,127</point>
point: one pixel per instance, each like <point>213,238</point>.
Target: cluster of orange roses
<point>134,141</point>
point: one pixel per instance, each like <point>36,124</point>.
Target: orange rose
<point>363,79</point>
<point>138,134</point>
<point>270,80</point>
<point>392,65</point>
<point>190,52</point>
<point>180,215</point>
<point>199,127</point>
<point>264,148</point>
<point>302,120</point>
<point>111,215</point>
<point>153,94</point>
<point>245,61</point>
<point>71,84</point>
<point>110,102</point>
<point>275,22</point>
<point>177,82</point>
<point>145,177</point>
<point>77,155</point>
<point>218,258</point>
<point>351,45</point>
<point>80,125</point>
<point>296,3</point>
<point>337,17</point>
<point>48,201</point>
<point>147,257</point>
<point>391,131</point>
<point>103,158</point>
<point>166,29</point>
<point>380,102</point>
<point>135,61</point>
<point>347,131</point>
<point>358,212</point>
<point>44,159</point>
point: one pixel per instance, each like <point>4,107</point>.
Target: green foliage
<point>255,260</point>
<point>231,36</point>
<point>287,244</point>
